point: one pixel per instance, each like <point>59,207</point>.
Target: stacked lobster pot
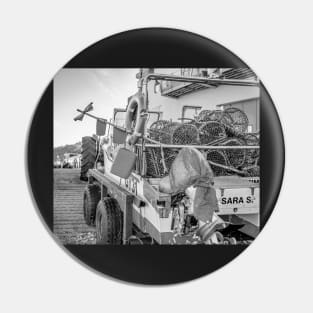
<point>159,160</point>
<point>210,128</point>
<point>235,123</point>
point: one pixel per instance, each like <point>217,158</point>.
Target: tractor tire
<point>89,154</point>
<point>92,195</point>
<point>109,222</point>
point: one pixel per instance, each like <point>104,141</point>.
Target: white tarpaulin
<point>190,168</point>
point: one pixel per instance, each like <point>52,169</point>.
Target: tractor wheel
<point>109,223</point>
<point>89,154</point>
<point>92,195</point>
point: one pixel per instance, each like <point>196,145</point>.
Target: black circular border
<point>153,47</point>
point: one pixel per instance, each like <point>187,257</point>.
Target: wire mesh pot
<point>253,155</point>
<point>240,120</point>
<point>232,132</point>
<point>210,132</point>
<point>167,132</point>
<point>218,157</point>
<point>203,116</point>
<point>156,166</point>
<point>169,157</point>
<point>220,116</point>
<point>159,164</point>
<point>156,130</point>
<point>153,165</point>
<point>185,134</point>
<point>235,157</point>
<point>253,171</point>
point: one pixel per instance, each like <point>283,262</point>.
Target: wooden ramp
<point>68,219</point>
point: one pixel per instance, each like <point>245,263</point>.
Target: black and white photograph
<point>146,156</point>
<point>156,151</point>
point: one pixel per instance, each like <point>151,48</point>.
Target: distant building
<point>72,160</point>
<point>185,100</point>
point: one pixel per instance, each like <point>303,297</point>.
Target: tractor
<point>127,160</point>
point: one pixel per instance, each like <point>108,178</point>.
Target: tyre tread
<point>111,224</point>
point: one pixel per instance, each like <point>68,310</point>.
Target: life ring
<point>136,105</point>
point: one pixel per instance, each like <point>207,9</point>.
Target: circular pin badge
<point>162,155</point>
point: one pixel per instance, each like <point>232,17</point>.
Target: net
<point>239,119</point>
<point>203,116</point>
<point>210,127</point>
<point>158,166</point>
<point>252,154</point>
<point>220,116</point>
<point>210,132</point>
<point>185,134</point>
<point>218,157</point>
<point>235,157</point>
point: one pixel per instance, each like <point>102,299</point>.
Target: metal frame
<point>143,87</point>
<point>143,83</point>
<point>125,198</point>
<point>185,107</point>
<point>118,110</point>
<point>238,101</point>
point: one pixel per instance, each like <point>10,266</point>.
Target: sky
<point>75,88</point>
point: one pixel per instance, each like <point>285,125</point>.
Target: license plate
<point>241,200</point>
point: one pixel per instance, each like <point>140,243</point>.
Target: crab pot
<point>254,171</point>
<point>252,154</point>
<point>157,130</point>
<point>185,134</point>
<point>155,164</point>
<point>218,157</point>
<point>210,132</point>
<point>235,157</point>
<point>220,116</point>
<point>154,169</point>
<point>240,120</point>
<point>203,116</point>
